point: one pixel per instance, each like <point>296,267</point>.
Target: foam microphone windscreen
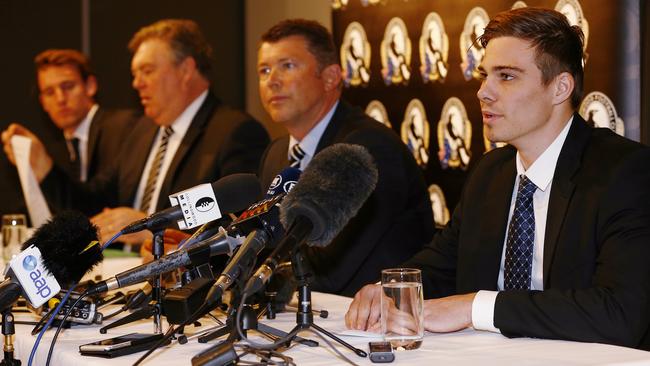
<point>69,246</point>
<point>331,191</point>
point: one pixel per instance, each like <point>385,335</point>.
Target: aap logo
<point>29,263</point>
<point>205,204</point>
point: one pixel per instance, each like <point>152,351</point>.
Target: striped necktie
<point>521,239</point>
<point>295,155</point>
<point>154,171</point>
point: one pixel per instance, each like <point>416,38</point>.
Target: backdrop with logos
<point>412,64</point>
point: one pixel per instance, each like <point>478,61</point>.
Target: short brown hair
<point>61,57</point>
<point>319,40</point>
<point>558,44</point>
<point>183,36</point>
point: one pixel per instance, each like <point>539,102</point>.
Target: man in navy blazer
<point>586,276</point>
<point>300,88</point>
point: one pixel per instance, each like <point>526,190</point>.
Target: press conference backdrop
<point>415,59</point>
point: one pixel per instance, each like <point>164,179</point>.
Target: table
<point>468,347</point>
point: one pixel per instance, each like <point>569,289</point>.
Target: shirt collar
<point>542,170</point>
<point>83,130</point>
<point>310,142</point>
<point>183,121</point>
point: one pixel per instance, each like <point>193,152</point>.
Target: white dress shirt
<point>180,127</point>
<point>541,174</point>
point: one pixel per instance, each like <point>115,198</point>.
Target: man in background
<point>300,88</point>
<point>93,136</point>
<point>187,136</point>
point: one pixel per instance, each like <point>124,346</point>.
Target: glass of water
<point>14,233</point>
<point>402,307</point>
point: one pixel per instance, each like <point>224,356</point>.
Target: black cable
<point>170,333</point>
<point>43,320</point>
<point>58,329</point>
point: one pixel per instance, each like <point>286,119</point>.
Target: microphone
<point>331,191</point>
<point>203,203</point>
<point>196,254</point>
<point>59,253</point>
<point>268,229</point>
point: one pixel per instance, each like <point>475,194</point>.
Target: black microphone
<point>59,253</point>
<point>267,229</point>
<point>196,254</point>
<point>203,203</point>
<point>331,191</point>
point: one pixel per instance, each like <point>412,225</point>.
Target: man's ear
<point>331,76</point>
<point>188,68</point>
<point>563,86</point>
<point>91,86</point>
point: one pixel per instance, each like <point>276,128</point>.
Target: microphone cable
<point>56,311</point>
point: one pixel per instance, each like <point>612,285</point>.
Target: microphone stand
<point>8,330</point>
<point>154,308</point>
<point>249,321</point>
<point>305,314</point>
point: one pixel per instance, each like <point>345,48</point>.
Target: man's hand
<point>365,309</point>
<point>39,159</point>
<point>448,314</point>
<point>171,239</point>
<point>112,220</point>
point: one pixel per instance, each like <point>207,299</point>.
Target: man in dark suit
<point>93,136</point>
<point>552,235</point>
<point>188,136</point>
<point>300,87</point>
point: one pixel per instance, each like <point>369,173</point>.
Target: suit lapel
<point>193,133</point>
<point>563,187</point>
<point>93,136</point>
<point>494,219</point>
<point>334,126</point>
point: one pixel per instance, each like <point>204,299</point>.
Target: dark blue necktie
<point>521,239</point>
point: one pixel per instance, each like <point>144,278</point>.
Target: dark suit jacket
<point>596,250</point>
<point>220,141</point>
<point>394,222</point>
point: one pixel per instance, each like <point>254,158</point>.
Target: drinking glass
<point>14,233</point>
<point>402,307</point>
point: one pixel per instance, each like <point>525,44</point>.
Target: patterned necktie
<point>154,171</point>
<point>521,239</point>
<point>295,155</point>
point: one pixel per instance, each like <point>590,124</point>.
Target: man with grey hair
<point>187,136</point>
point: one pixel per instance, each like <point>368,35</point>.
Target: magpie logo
<point>30,263</point>
<point>376,110</point>
<point>599,111</point>
<point>204,204</point>
<point>471,51</point>
<point>355,56</point>
<point>415,131</point>
<point>396,53</point>
<point>438,205</point>
<point>573,12</point>
<point>434,49</point>
<point>454,135</point>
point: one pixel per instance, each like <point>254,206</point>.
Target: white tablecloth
<point>467,347</point>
